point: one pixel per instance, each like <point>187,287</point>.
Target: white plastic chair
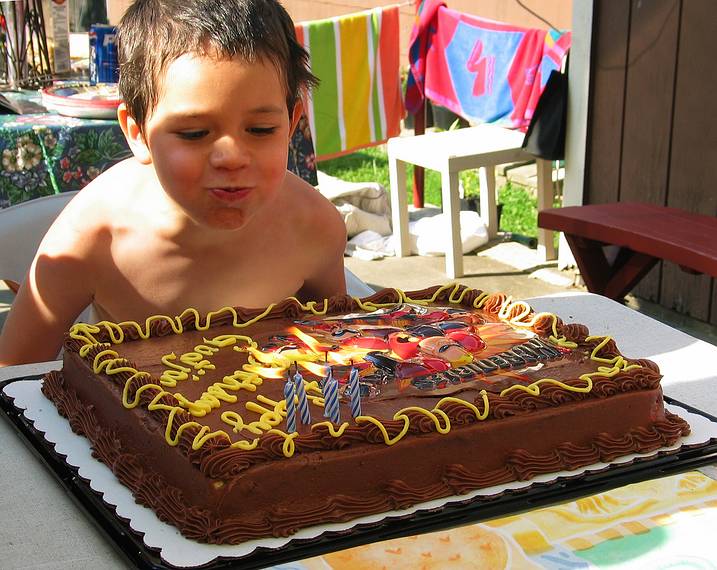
<point>23,226</point>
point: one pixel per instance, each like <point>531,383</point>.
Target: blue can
<point>104,67</point>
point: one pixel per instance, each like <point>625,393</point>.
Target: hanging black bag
<point>545,137</point>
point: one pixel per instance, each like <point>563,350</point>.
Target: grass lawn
<point>519,212</point>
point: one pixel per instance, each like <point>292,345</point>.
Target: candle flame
<point>313,344</point>
<point>349,355</point>
<point>265,372</point>
<point>263,357</point>
<point>315,368</point>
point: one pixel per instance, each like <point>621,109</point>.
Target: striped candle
<point>331,399</point>
<point>290,406</point>
<point>304,412</point>
<point>357,58</point>
<point>355,393</point>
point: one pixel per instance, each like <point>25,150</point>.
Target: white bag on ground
<point>432,235</point>
<point>369,245</point>
<point>358,221</point>
<point>364,205</point>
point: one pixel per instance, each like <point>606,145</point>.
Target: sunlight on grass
<point>366,165</point>
<point>519,213</point>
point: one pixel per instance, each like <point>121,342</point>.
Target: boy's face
<point>218,138</point>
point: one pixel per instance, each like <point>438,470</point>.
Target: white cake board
<point>179,551</point>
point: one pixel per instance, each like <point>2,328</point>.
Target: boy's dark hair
<point>153,33</point>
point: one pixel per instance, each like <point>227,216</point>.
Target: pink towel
<point>480,69</point>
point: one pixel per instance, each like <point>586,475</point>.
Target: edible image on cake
<point>405,348</point>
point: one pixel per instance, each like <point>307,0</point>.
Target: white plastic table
<point>450,152</point>
<point>42,527</point>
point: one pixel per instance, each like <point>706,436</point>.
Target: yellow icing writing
<point>222,340</point>
<point>215,394</point>
<point>268,418</point>
<point>206,350</point>
<point>177,372</point>
<point>196,360</point>
<point>234,420</point>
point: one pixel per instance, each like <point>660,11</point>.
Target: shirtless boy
<point>204,214</point>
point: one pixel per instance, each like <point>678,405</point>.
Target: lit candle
<point>290,406</point>
<point>355,392</point>
<point>303,400</point>
<point>331,399</point>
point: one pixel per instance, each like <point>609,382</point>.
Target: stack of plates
<point>80,99</point>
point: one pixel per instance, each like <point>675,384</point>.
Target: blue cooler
<point>104,67</point>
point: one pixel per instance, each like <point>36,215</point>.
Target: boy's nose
<point>229,152</point>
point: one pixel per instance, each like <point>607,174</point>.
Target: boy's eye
<point>262,130</point>
<point>192,135</point>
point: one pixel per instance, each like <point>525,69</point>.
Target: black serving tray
<point>129,543</point>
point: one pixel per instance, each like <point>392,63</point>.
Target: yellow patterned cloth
<point>658,524</point>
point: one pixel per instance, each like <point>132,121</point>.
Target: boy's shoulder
<point>96,209</point>
<point>311,209</point>
<point>300,192</point>
<point>319,239</point>
<point>116,189</point>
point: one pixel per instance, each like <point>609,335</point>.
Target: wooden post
<point>419,128</point>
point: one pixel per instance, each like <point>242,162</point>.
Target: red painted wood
<point>419,128</point>
<point>591,261</point>
<point>673,234</point>
<point>629,269</point>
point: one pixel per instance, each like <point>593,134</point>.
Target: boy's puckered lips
<point>230,194</point>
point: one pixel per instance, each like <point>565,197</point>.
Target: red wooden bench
<point>644,233</point>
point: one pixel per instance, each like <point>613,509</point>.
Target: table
<point>42,527</point>
<point>450,152</point>
<point>47,153</point>
<point>636,235</point>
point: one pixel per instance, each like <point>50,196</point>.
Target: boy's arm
<point>55,291</point>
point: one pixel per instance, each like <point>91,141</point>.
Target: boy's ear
<point>134,135</point>
<point>295,116</point>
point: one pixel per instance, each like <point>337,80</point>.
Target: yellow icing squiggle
<point>272,413</point>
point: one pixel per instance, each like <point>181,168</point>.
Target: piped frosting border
<point>95,343</point>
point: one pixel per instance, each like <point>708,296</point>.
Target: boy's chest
<point>162,283</point>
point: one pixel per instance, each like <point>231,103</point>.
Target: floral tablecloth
<point>46,153</point>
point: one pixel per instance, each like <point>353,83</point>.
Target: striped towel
<point>358,102</point>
